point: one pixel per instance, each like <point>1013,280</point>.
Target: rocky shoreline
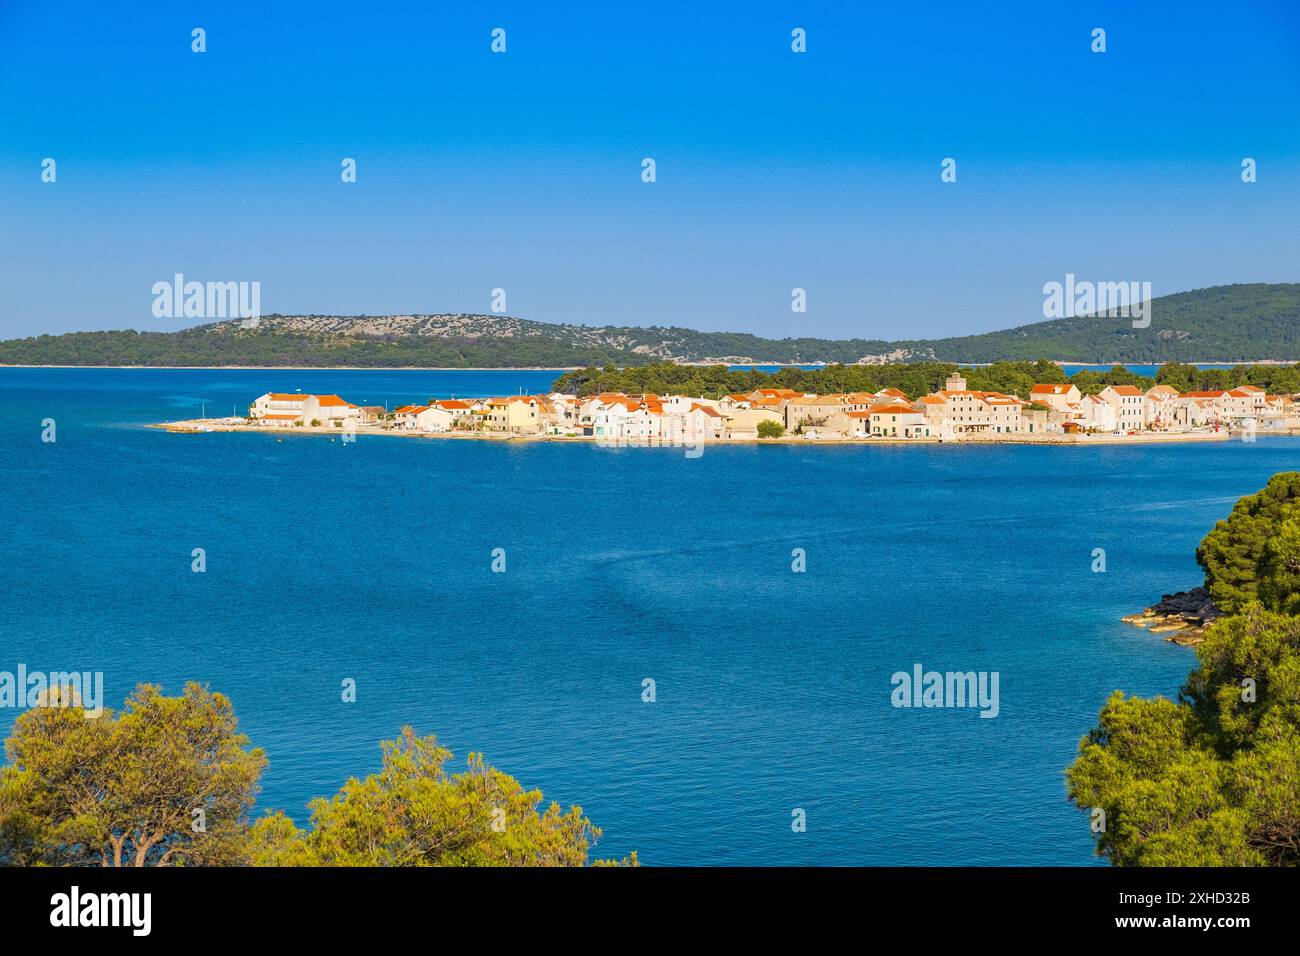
<point>1183,617</point>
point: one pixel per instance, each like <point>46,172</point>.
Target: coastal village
<point>1050,412</point>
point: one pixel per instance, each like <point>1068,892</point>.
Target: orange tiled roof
<point>997,398</point>
<point>817,400</point>
<point>989,398</point>
<point>632,405</point>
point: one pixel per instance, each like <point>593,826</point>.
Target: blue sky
<point>522,170</point>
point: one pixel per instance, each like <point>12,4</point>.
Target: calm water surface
<point>371,561</point>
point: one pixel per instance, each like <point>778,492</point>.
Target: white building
<point>283,407</point>
<point>292,407</point>
<point>1247,401</point>
<point>459,409</point>
<point>1162,407</point>
<point>699,423</point>
<point>626,421</point>
<point>404,415</point>
<point>1130,406</point>
<point>1195,411</point>
<point>1097,414</point>
<point>432,418</point>
<point>331,409</point>
<point>1055,395</point>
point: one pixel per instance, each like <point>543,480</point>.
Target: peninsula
<point>1048,412</point>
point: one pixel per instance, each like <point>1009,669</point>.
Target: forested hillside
<point>1234,323</point>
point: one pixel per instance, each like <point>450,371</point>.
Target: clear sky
<point>522,170</point>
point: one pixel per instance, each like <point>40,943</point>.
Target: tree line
<point>914,379</point>
<point>206,348</point>
<point>171,781</point>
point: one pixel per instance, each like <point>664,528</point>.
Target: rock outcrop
<point>1182,617</point>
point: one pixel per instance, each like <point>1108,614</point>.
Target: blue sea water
<point>371,561</point>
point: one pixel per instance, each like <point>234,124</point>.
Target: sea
<point>699,651</point>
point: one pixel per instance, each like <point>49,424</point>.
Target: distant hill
<point>1231,323</point>
<point>1226,323</point>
